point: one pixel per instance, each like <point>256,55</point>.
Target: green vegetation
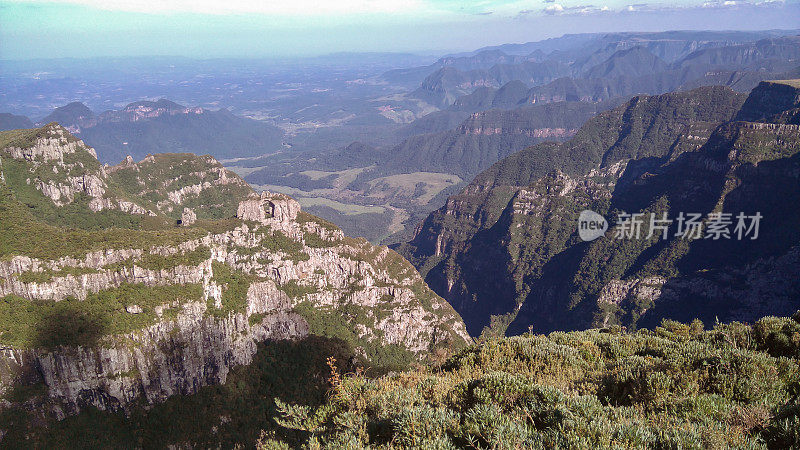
<point>190,258</point>
<point>22,234</point>
<point>234,290</point>
<point>279,242</point>
<point>314,240</point>
<point>255,319</point>
<point>47,275</point>
<point>340,324</point>
<point>151,179</point>
<point>677,386</point>
<point>304,217</point>
<point>295,290</point>
<point>75,214</point>
<point>72,322</point>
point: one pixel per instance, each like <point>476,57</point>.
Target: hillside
<point>677,386</point>
<point>121,287</point>
<point>142,128</point>
<point>73,116</point>
<point>486,137</point>
<point>14,122</point>
<point>506,245</point>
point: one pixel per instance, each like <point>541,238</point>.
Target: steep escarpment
<point>741,265</point>
<point>113,308</point>
<point>491,248</point>
<point>617,66</point>
<point>770,98</point>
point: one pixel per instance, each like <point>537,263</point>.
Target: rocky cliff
<point>112,317</point>
<point>506,251</point>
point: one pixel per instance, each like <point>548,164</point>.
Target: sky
<point>269,28</point>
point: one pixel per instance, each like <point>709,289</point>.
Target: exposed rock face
<point>143,362</point>
<point>268,205</point>
<point>188,217</point>
<point>52,143</point>
<point>507,244</point>
<point>166,359</point>
<point>262,276</point>
<point>487,246</point>
<point>64,193</point>
<point>64,168</point>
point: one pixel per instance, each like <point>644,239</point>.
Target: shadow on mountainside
<point>295,372</point>
<point>66,324</point>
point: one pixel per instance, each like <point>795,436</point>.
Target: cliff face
<point>507,247</point>
<point>112,317</point>
<point>770,98</point>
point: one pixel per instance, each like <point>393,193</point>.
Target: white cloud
<point>268,7</point>
<point>554,9</point>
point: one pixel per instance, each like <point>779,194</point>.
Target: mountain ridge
<point>125,286</point>
<point>500,216</point>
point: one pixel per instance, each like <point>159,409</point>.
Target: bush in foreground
<point>677,386</point>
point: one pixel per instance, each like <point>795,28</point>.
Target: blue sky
<point>245,28</point>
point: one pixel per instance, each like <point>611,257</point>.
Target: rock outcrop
<point>267,205</point>
<point>169,311</point>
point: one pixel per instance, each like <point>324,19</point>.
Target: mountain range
<point>163,302</point>
<point>623,68</point>
<point>146,127</point>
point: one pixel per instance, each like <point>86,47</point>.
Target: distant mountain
<point>581,49</point>
<point>146,127</point>
<point>73,116</point>
<point>481,60</point>
<point>618,65</point>
<point>565,42</point>
<point>436,121</point>
<point>488,136</point>
<point>487,247</point>
<point>633,62</point>
<point>772,55</point>
<point>14,122</point>
<point>529,72</point>
<point>510,95</point>
<point>443,86</point>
